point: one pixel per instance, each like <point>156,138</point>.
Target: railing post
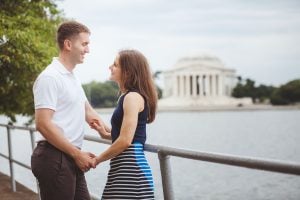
<point>32,138</point>
<point>166,175</point>
<point>10,157</point>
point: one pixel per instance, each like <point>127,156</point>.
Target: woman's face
<point>115,71</point>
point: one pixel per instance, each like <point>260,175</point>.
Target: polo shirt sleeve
<point>45,92</point>
<point>84,95</point>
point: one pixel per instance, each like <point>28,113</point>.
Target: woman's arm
<point>132,105</point>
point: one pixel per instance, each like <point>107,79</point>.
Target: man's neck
<point>66,62</point>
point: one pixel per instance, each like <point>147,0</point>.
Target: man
<point>61,108</point>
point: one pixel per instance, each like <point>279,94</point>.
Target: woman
<point>129,176</point>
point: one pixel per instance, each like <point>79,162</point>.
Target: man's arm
<point>53,134</point>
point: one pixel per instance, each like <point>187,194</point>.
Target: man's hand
<point>96,162</point>
<point>84,160</point>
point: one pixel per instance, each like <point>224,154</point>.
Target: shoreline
<point>254,107</point>
<point>22,192</point>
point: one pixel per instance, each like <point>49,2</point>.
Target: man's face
<point>79,47</point>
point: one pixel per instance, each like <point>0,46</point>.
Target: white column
<point>181,85</point>
<point>210,85</point>
<point>203,84</point>
<point>174,86</point>
<point>221,85</point>
<point>207,91</point>
<point>213,85</point>
<point>185,93</point>
<point>188,86</point>
<point>178,85</point>
<point>200,85</point>
<point>184,85</point>
<point>194,81</point>
<point>217,85</point>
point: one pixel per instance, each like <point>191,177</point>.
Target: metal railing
<point>164,154</point>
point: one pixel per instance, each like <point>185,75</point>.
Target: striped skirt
<point>129,176</point>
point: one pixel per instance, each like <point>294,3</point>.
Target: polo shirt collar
<point>60,67</point>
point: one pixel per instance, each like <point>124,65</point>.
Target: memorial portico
<point>197,85</point>
<point>199,80</point>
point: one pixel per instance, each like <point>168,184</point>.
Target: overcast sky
<point>260,39</point>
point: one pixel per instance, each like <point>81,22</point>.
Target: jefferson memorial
<point>200,80</point>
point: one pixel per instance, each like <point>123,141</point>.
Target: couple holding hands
<point>61,109</point>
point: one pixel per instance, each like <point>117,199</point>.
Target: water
<point>271,134</point>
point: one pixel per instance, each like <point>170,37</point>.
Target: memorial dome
<point>207,60</point>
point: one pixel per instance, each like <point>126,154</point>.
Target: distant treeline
<point>104,94</point>
<point>286,94</point>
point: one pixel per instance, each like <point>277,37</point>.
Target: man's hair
<point>69,29</point>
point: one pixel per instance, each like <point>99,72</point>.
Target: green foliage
<point>159,92</point>
<point>102,95</point>
<point>277,99</point>
<point>264,92</point>
<point>245,90</point>
<point>291,91</point>
<point>287,94</point>
<point>156,75</point>
<point>248,89</point>
<point>27,45</point>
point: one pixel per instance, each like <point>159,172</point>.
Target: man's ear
<point>67,44</point>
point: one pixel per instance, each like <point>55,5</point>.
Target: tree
<point>105,95</point>
<point>245,90</point>
<point>155,76</point>
<point>248,89</point>
<point>277,99</point>
<point>291,91</point>
<point>264,92</point>
<point>288,93</point>
<point>159,92</point>
<point>27,46</point>
<point>102,95</point>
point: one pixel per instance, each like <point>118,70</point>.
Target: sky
<point>260,39</point>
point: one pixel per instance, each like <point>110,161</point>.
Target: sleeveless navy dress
<point>129,176</point>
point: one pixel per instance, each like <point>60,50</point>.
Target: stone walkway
<point>22,192</point>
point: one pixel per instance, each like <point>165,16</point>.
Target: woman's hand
<point>96,161</point>
<point>95,124</point>
<point>100,127</point>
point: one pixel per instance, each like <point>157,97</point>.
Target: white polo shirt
<point>58,89</point>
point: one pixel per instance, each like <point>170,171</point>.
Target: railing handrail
<point>164,152</point>
<point>27,128</point>
<point>227,159</point>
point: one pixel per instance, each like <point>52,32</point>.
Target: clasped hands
<point>86,160</point>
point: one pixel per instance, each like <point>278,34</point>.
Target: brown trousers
<point>58,175</point>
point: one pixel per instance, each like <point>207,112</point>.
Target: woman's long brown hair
<point>136,76</point>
